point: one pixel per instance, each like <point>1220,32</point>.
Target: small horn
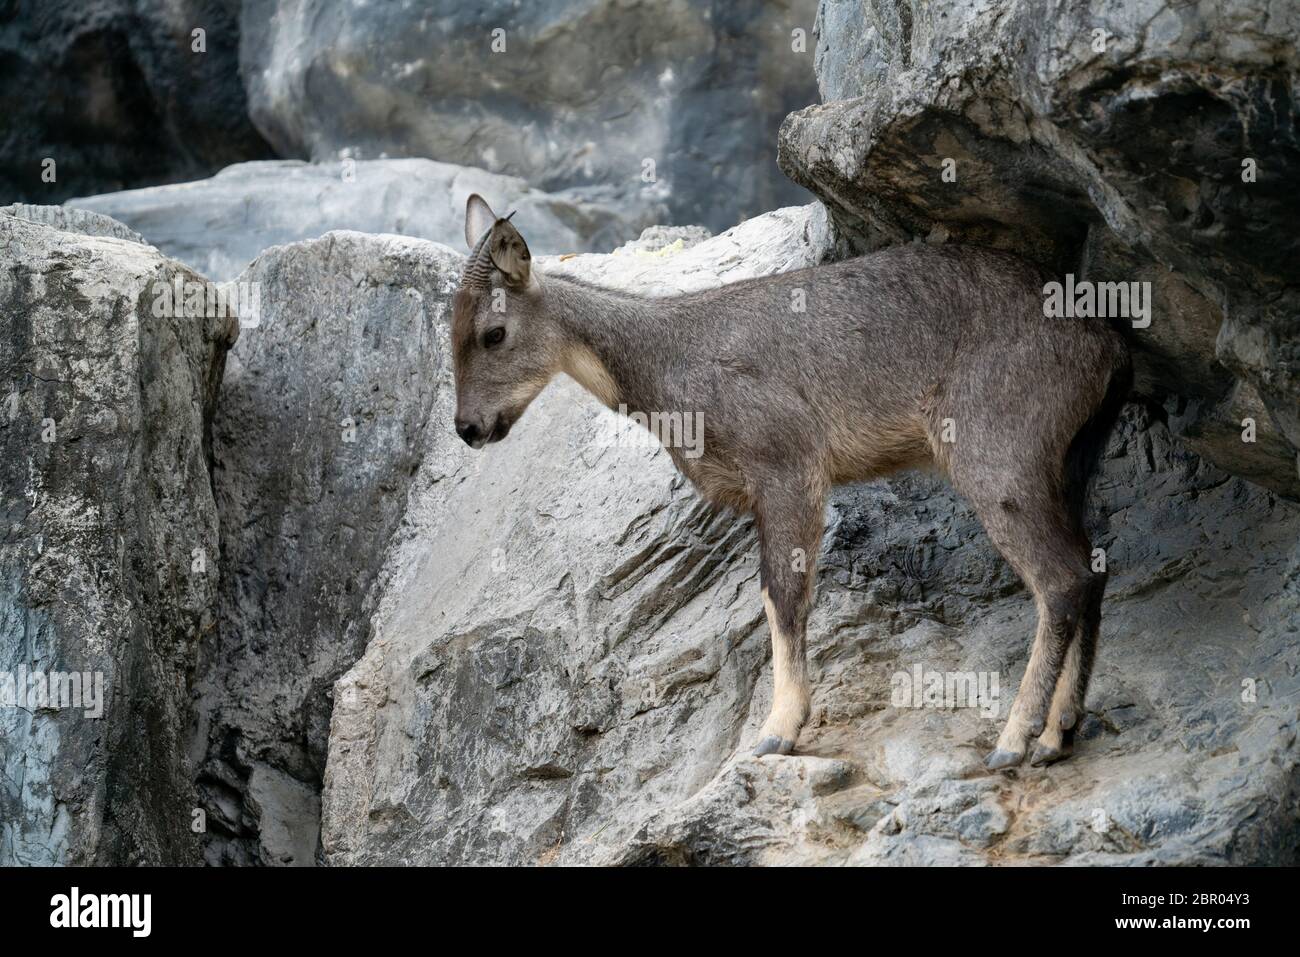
<point>478,268</point>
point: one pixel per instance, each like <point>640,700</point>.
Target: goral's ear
<point>478,219</point>
<point>510,253</point>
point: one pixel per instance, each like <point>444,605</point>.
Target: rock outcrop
<point>552,651</point>
<point>316,440</point>
<point>1135,142</point>
<point>668,108</point>
<point>220,225</point>
<point>108,555</point>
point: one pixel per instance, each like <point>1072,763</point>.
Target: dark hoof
<point>773,745</point>
<point>1000,760</point>
<point>1044,755</point>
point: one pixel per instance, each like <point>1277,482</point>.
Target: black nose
<point>468,431</point>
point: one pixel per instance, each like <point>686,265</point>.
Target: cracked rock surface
<point>316,439</point>
<point>108,545</point>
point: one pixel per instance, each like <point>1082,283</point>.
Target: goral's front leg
<point>791,698</point>
<point>790,532</point>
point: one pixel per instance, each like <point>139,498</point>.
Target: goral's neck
<point>617,346</point>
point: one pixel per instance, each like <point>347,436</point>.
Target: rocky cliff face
<point>317,436</point>
<point>108,555</point>
<point>664,110</point>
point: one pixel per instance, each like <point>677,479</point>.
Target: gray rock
<point>73,221</point>
<point>115,94</point>
<point>1118,164</point>
<point>109,556</point>
<point>581,96</point>
<point>567,661</point>
<point>316,440</point>
<point>220,225</point>
<point>784,239</point>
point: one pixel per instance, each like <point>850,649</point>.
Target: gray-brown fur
<point>895,352</point>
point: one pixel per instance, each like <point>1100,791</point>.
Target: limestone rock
<point>109,552</point>
<point>73,220</point>
<point>316,439</point>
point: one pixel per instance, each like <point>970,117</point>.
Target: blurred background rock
<point>582,95</point>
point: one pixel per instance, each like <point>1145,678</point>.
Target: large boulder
<point>564,93</point>
<point>316,439</point>
<point>568,656</point>
<point>220,225</point>
<point>118,93</point>
<point>1136,142</point>
<point>109,556</point>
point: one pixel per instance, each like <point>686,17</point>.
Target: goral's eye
<point>494,337</point>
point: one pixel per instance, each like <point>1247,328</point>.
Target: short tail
<point>1090,442</point>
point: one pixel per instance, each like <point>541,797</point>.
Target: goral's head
<point>504,350</point>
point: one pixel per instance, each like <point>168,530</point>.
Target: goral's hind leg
<point>1060,583</point>
<point>789,515</point>
<point>1003,426</point>
<point>1027,520</point>
<point>1057,740</point>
